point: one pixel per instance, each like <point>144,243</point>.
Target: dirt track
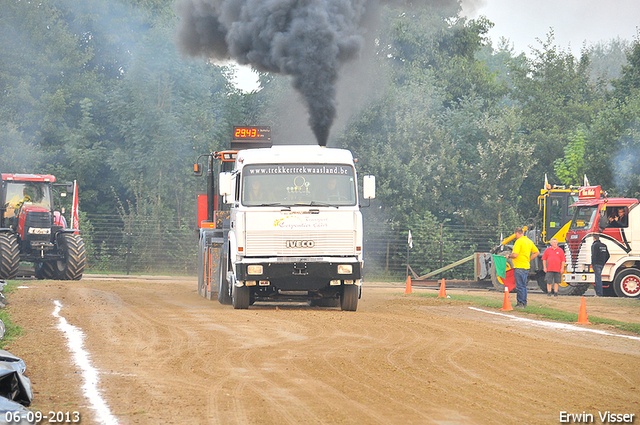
<point>167,356</point>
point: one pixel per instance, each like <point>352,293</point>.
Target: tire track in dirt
<point>169,356</point>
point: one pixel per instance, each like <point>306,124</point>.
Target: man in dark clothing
<point>599,257</point>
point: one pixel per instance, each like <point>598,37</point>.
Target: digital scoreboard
<point>247,137</point>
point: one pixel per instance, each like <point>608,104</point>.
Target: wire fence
<point>387,251</point>
<point>141,244</point>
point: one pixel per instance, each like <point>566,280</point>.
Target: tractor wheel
<point>45,270</point>
<point>223,284</point>
<point>9,255</point>
<point>627,283</point>
<point>563,288</point>
<point>567,289</point>
<point>72,267</point>
<point>349,297</point>
<point>240,296</point>
<point>497,282</point>
<point>542,282</point>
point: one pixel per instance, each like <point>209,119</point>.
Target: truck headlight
<point>345,269</point>
<point>254,269</point>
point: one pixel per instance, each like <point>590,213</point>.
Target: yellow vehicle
<point>555,204</point>
<point>554,219</point>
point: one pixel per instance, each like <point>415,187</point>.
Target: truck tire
<point>324,302</point>
<point>75,260</point>
<point>627,283</point>
<point>9,255</point>
<point>349,297</point>
<point>499,286</point>
<point>241,296</point>
<point>45,270</point>
<point>224,297</point>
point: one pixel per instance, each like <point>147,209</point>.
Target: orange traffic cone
<point>583,319</point>
<point>408,288</point>
<point>506,304</point>
<point>443,290</point>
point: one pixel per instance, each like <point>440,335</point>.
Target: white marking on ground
<point>556,325</point>
<point>75,339</point>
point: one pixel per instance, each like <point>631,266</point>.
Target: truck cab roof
<point>607,201</point>
<point>284,154</point>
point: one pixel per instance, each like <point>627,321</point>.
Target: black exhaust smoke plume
<point>306,39</point>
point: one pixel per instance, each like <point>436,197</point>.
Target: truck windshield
<point>583,218</point>
<point>298,184</point>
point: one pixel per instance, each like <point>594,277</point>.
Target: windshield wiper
<point>322,204</point>
<point>272,204</point>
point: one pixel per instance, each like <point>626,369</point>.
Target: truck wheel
<point>224,297</point>
<point>45,270</point>
<point>325,302</point>
<point>627,283</point>
<point>349,297</point>
<point>241,295</point>
<point>495,280</point>
<point>72,267</point>
<point>9,256</point>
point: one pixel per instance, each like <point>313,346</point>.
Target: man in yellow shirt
<point>524,250</point>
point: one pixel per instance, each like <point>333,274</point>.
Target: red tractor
<point>31,231</point>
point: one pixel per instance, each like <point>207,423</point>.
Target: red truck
<point>617,222</point>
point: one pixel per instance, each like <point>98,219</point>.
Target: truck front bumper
<point>299,274</point>
<point>577,278</point>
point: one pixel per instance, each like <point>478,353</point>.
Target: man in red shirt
<point>553,261</point>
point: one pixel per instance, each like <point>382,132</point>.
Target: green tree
<point>554,95</point>
<point>629,81</point>
<point>613,136</point>
<point>571,168</point>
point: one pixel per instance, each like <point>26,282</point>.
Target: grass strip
<point>11,331</point>
<point>542,312</point>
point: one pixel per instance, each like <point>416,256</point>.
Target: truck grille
<point>300,244</point>
<point>578,255</point>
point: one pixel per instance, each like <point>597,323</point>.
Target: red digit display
<point>252,133</point>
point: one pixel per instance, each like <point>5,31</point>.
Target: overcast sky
<point>573,21</point>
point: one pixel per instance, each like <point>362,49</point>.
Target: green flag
<point>501,265</point>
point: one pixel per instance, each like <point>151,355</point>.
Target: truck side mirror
<point>369,187</point>
<point>225,184</point>
<point>197,170</point>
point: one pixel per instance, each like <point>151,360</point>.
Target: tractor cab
<point>556,204</point>
<point>21,194</point>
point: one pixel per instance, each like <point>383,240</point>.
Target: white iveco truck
<point>295,228</point>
